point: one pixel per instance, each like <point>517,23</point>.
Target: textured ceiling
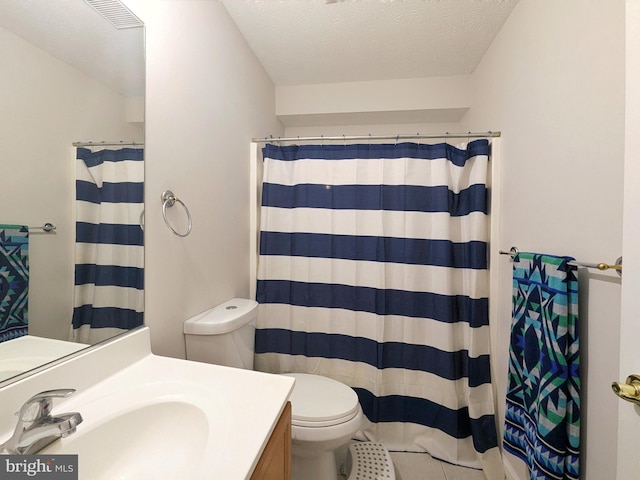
<point>297,41</point>
<point>324,41</point>
<point>73,32</point>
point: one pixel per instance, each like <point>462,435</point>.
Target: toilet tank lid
<point>223,318</point>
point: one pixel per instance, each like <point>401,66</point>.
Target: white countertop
<point>239,407</point>
<point>21,354</point>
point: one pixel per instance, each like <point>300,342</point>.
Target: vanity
<point>151,417</point>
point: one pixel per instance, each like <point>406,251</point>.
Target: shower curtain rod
<point>107,144</point>
<point>376,137</point>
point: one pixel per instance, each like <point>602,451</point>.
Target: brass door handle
<point>629,391</point>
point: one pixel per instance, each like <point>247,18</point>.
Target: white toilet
<point>325,413</point>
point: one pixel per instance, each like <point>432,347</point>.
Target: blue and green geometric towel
<point>14,281</point>
<point>542,423</point>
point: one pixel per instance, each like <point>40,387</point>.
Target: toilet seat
<point>318,401</point>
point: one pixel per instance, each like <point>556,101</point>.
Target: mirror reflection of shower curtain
<point>109,252</point>
<point>373,271</point>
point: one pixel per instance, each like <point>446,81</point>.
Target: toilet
<point>325,413</point>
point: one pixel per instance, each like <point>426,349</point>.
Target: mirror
<point>68,75</point>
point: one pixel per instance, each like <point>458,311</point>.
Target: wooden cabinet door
<point>275,462</point>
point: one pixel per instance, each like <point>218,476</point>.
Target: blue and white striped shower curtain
<point>109,256</point>
<point>373,271</point>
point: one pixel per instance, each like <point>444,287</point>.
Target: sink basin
<point>162,440</point>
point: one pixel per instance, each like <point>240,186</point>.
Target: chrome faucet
<point>37,428</point>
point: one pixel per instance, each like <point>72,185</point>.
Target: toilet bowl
<point>325,413</point>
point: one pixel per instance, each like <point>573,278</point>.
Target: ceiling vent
<point>116,13</point>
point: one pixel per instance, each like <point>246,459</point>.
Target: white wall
<point>553,83</point>
<point>628,460</point>
<point>416,100</point>
<point>206,97</point>
<point>45,106</point>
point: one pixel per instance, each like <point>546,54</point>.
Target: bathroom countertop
<point>28,352</point>
<point>240,407</point>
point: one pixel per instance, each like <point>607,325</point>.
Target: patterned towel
<point>542,423</point>
<point>14,281</point>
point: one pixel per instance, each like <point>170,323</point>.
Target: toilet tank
<point>223,335</point>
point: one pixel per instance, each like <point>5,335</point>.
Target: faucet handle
<point>40,404</point>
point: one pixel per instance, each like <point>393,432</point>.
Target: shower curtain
<point>109,257</point>
<point>373,271</point>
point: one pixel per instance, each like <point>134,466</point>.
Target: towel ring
<point>168,200</point>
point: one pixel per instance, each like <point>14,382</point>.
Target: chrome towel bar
<point>617,266</point>
<point>47,227</point>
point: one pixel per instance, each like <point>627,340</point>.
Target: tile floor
<point>421,466</point>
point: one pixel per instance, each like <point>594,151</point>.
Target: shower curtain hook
<point>397,137</point>
<point>344,140</point>
<point>418,137</point>
<point>369,140</point>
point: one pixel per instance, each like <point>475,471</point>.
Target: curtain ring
<point>169,200</point>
